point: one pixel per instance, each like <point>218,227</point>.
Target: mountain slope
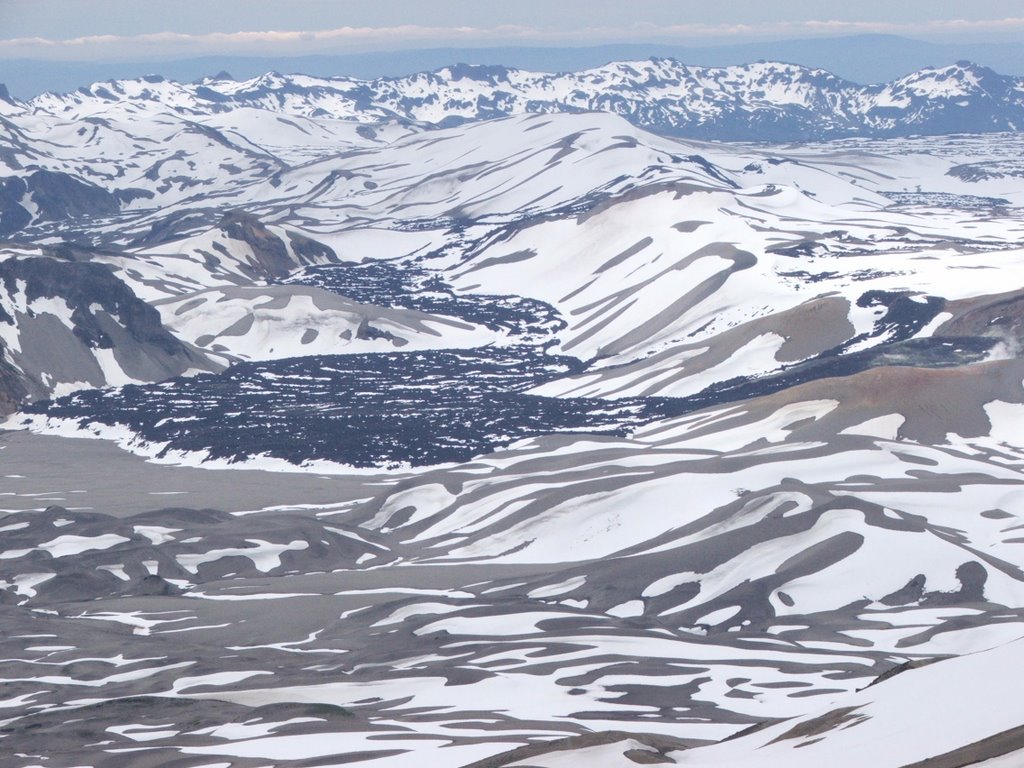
<point>65,325</point>
<point>627,442</point>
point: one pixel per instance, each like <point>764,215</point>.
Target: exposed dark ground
<point>44,470</point>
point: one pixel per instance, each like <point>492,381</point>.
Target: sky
<point>91,30</point>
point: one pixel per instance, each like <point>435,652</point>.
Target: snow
<point>499,626</point>
<point>136,619</point>
<point>554,590</point>
<point>63,546</point>
<point>121,677</point>
<point>310,747</point>
<point>416,609</point>
<point>721,616</point>
<point>603,756</point>
<point>157,534</point>
<point>1007,420</point>
<point>666,584</point>
<point>911,717</point>
<point>885,427</point>
<point>143,733</point>
<point>779,524</point>
<point>674,92</point>
<point>627,609</point>
<point>215,679</point>
<point>265,556</point>
<point>25,583</point>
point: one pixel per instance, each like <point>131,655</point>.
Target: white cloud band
<point>353,39</point>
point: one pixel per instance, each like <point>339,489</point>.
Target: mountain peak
<point>484,73</point>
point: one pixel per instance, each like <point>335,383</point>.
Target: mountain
<point>340,431</point>
<point>868,58</point>
<point>756,102</point>
<point>70,323</point>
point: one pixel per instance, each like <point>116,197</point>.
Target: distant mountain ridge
<point>863,58</point>
<point>766,101</point>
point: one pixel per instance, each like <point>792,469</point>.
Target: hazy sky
<point>103,29</point>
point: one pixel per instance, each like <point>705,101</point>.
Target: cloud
<point>269,41</point>
<point>357,39</point>
<point>812,27</point>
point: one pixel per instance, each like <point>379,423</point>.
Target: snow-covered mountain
<point>535,440</point>
<point>766,101</point>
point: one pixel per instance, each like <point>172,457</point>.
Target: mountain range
<point>757,102</point>
<point>867,58</point>
<point>460,420</point>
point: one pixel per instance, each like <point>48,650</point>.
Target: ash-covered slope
<point>729,569</point>
<point>68,324</point>
<point>767,101</point>
<point>50,196</point>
